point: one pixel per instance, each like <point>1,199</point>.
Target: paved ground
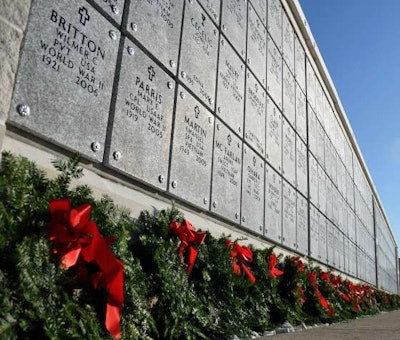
<point>384,326</point>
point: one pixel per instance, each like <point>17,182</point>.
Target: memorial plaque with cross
<point>252,191</point>
<point>113,8</point>
<point>230,94</point>
<point>227,170</point>
<point>273,204</point>
<point>274,23</point>
<point>288,42</point>
<point>288,215</point>
<point>274,72</point>
<point>289,100</point>
<point>301,167</point>
<point>313,178</point>
<point>212,8</point>
<point>314,232</point>
<point>274,135</point>
<point>256,46</point>
<point>141,128</point>
<point>255,114</point>
<point>65,76</point>
<point>301,114</point>
<point>299,64</point>
<point>199,50</point>
<point>322,253</point>
<point>234,16</point>
<point>157,26</point>
<point>302,225</point>
<point>288,153</point>
<point>190,169</point>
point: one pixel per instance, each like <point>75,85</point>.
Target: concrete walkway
<point>384,326</point>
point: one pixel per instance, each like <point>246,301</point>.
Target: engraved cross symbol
<point>203,17</point>
<point>256,87</point>
<point>152,73</point>
<point>254,161</point>
<point>83,12</point>
<point>229,138</point>
<point>196,111</point>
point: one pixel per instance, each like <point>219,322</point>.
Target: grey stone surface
<point>233,23</point>
<point>114,8</point>
<point>310,76</point>
<point>261,8</point>
<point>255,114</point>
<point>227,170</point>
<point>274,23</point>
<point>314,232</point>
<point>256,46</point>
<point>66,76</point>
<point>301,115</point>
<point>302,225</point>
<point>322,249</point>
<point>230,94</point>
<point>15,12</point>
<point>213,9</point>
<point>288,215</point>
<point>141,130</point>
<point>301,167</point>
<point>157,25</point>
<point>286,327</point>
<point>274,72</point>
<point>321,189</point>
<point>289,99</point>
<point>10,40</point>
<point>313,179</point>
<point>190,170</point>
<point>273,204</point>
<point>288,153</point>
<point>198,59</point>
<point>299,64</point>
<point>288,42</point>
<point>312,130</point>
<point>274,136</point>
<point>252,191</point>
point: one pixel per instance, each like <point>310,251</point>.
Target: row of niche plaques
<point>68,62</point>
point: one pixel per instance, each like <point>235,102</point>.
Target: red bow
<point>188,236</point>
<point>325,276</point>
<point>313,279</point>
<point>273,271</point>
<point>76,237</point>
<point>298,263</point>
<point>241,256</point>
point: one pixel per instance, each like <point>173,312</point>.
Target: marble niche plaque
<point>314,232</point>
<point>321,189</point>
<point>261,8</point>
<point>289,100</point>
<point>252,191</point>
<point>301,167</point>
<point>301,114</point>
<point>157,26</point>
<point>65,77</point>
<point>213,9</point>
<point>198,58</point>
<point>113,8</point>
<point>302,225</point>
<point>299,64</point>
<point>289,215</point>
<point>141,129</point>
<point>190,170</point>
<point>313,179</point>
<point>230,94</point>
<point>322,256</point>
<point>311,80</point>
<point>274,24</point>
<point>273,204</point>
<point>274,135</point>
<point>255,114</point>
<point>288,153</point>
<point>288,42</point>
<point>330,243</point>
<point>227,170</point>
<point>256,46</point>
<point>274,72</point>
<point>234,14</point>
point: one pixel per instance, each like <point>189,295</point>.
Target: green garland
<point>40,300</point>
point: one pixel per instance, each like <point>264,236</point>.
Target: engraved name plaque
<point>66,75</point>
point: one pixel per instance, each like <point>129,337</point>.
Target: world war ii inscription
<point>215,104</point>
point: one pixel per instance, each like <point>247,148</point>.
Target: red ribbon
<point>241,256</point>
<point>75,238</point>
<point>312,276</point>
<point>188,236</point>
<point>325,276</point>
<point>273,271</point>
<point>298,263</point>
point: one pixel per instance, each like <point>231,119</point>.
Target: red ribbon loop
<point>241,256</point>
<point>76,237</point>
<point>313,279</point>
<point>188,236</point>
<point>273,271</point>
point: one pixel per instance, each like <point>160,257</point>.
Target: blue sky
<point>360,43</point>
